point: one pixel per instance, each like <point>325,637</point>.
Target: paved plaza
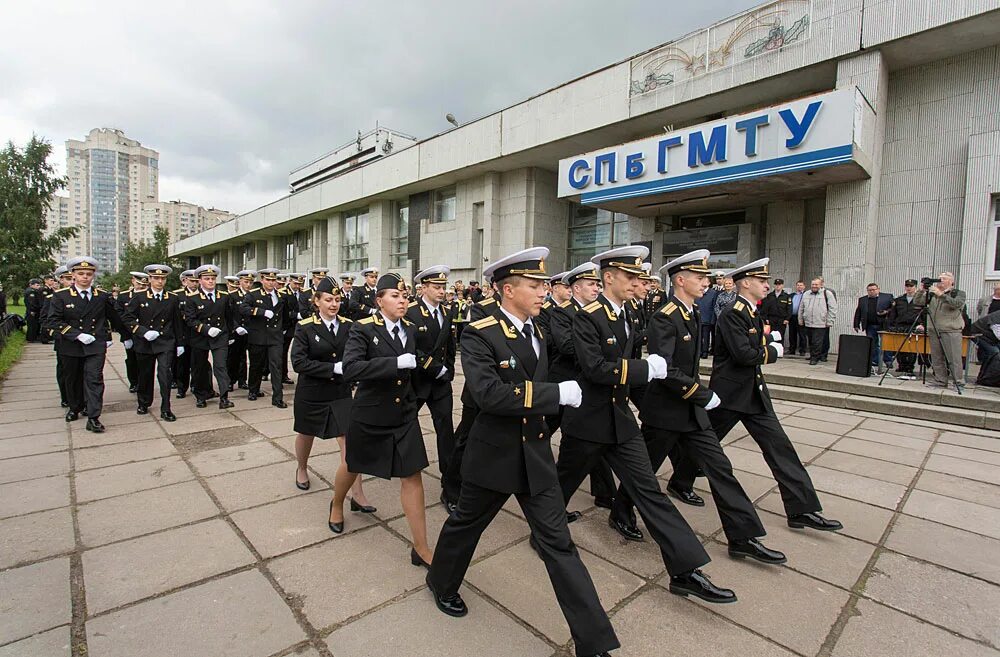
<point>190,539</point>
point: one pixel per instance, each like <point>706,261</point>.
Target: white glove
<point>240,330</point>
<point>269,314</point>
<point>657,367</point>
<point>338,368</point>
<point>231,342</point>
<point>776,335</point>
<point>151,335</point>
<point>713,402</point>
<point>570,394</point>
<point>128,344</point>
<point>85,338</point>
<point>107,344</point>
<point>442,373</point>
<point>214,331</point>
<point>406,362</point>
<point>180,351</point>
<point>780,348</point>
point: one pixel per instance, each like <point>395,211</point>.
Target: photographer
<point>944,304</point>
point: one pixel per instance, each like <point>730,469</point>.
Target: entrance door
<point>718,232</point>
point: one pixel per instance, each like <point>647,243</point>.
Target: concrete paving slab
<point>899,428</point>
<point>384,494</point>
<point>34,495</point>
<point>34,598</point>
<point>503,531</point>
<point>130,477</point>
<point>236,616</point>
<point>246,488</point>
<point>975,441</point>
<point>319,448</point>
<point>198,423</point>
<point>117,518</point>
<point>36,536</point>
<point>976,518</point>
<point>129,416</point>
<point>887,438</point>
<point>961,604</point>
<point>122,433</point>
<point>141,450</point>
<point>805,451</point>
<point>963,468</point>
<point>861,521</point>
<point>238,457</point>
<point>592,533</point>
<point>863,489</point>
<point>890,453</point>
<point>33,467</point>
<point>877,630</point>
<point>968,553</point>
<point>276,429</point>
<point>867,467</point>
<point>968,453</point>
<point>53,643</point>
<point>415,628</point>
<point>23,414</point>
<point>131,570</point>
<point>829,415</point>
<point>969,490</point>
<point>821,439</point>
<point>253,416</point>
<point>28,445</point>
<point>18,429</point>
<point>385,574</point>
<point>809,424</point>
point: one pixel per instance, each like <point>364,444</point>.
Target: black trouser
<point>739,519</point>
<point>163,364</point>
<point>286,344</point>
<point>826,342</point>
<point>905,361</point>
<point>236,362</point>
<point>451,480</point>
<point>816,336</point>
<point>182,371</point>
<point>707,331</point>
<point>34,326</point>
<point>60,379</point>
<point>201,373</point>
<point>546,515</point>
<point>798,338</point>
<point>681,550</point>
<point>131,368</point>
<point>265,356</point>
<point>84,377</point>
<point>440,405</point>
<point>797,492</point>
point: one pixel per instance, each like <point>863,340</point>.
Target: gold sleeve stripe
<point>624,371</point>
<point>428,362</point>
<point>66,329</point>
<point>528,393</point>
<point>690,392</point>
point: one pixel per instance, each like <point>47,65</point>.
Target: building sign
<point>805,134</point>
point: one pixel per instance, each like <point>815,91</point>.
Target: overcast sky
<point>235,94</point>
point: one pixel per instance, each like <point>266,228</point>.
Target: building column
<point>851,226</point>
<point>333,237</point>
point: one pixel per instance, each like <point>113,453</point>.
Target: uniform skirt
<point>386,452</point>
<point>322,419</point>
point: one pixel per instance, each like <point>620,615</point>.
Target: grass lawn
<point>11,351</point>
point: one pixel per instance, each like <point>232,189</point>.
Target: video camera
<point>926,282</point>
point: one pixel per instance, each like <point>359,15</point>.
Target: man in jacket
<point>798,342</point>
<point>776,309</point>
<point>209,314</point>
<point>870,317</point>
<point>706,308</point>
<point>989,305</point>
<point>264,313</point>
<point>945,322</point>
<point>817,313</point>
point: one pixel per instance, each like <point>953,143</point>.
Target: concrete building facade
<point>858,140</point>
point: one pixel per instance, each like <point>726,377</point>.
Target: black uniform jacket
<point>385,397</point>
<point>69,316</point>
<point>677,402</point>
<point>144,313</point>
<point>740,349</point>
<point>315,351</point>
<point>508,448</point>
<point>636,313</point>
<point>562,354</point>
<point>362,301</point>
<point>902,314</point>
<point>603,351</point>
<point>292,314</point>
<point>121,303</point>
<point>32,302</point>
<point>435,349</point>
<point>478,310</point>
<point>264,331</point>
<point>200,314</point>
<point>655,300</point>
<point>44,312</point>
<point>777,309</point>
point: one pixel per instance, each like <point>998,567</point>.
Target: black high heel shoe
<point>418,560</point>
<point>362,508</point>
<point>301,485</point>
<point>335,527</point>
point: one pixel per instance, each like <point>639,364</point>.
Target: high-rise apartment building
<point>181,219</point>
<point>110,177</point>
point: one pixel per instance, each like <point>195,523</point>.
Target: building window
<point>592,230</point>
<point>444,205</point>
<point>355,249</point>
<point>993,252</point>
<point>719,233</point>
<point>400,245</point>
<point>303,240</point>
<point>288,254</point>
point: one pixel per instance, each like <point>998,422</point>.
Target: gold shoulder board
<point>739,306</point>
<point>565,304</point>
<point>345,319</point>
<point>307,320</point>
<point>669,308</point>
<point>484,322</point>
<point>593,307</point>
<point>367,320</point>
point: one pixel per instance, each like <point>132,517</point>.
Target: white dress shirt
<point>390,325</point>
<point>519,325</point>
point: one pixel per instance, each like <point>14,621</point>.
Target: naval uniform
<point>71,313</point>
<point>236,359</point>
<point>362,302</point>
<point>673,413</point>
<point>322,396</point>
<point>266,337</point>
<point>508,453</point>
<point>384,436</point>
<point>740,349</point>
<point>45,335</point>
<point>60,381</point>
<point>149,311</point>
<point>131,362</point>
<point>32,313</point>
<point>292,316</point>
<point>604,427</point>
<point>202,312</point>
<point>182,363</point>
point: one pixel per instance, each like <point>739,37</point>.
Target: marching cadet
<point>154,319</point>
<point>81,314</point>
<point>675,411</point>
<point>236,360</point>
<point>293,298</point>
<point>232,283</point>
<point>264,313</point>
<point>604,427</point>
<point>508,453</point>
<point>33,309</point>
<point>435,358</point>
<point>49,287</point>
<point>182,363</point>
<point>384,438</point>
<point>137,285</point>
<point>210,316</point>
<point>363,298</point>
<point>741,347</point>
<point>635,313</point>
<point>346,285</point>
<point>64,278</point>
<point>558,293</point>
<point>306,307</point>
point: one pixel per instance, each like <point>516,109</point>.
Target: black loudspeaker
<point>854,357</point>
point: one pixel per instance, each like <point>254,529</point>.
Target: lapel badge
<point>421,328</point>
<point>375,340</point>
<point>316,337</point>
<point>513,362</point>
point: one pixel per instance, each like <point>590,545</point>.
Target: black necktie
<point>211,297</point>
<point>528,334</point>
<point>158,297</point>
<point>436,319</point>
<point>86,296</point>
<point>395,336</point>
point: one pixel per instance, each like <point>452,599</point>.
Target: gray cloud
<point>235,94</point>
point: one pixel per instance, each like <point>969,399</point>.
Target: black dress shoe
<point>181,395</point>
<point>362,508</point>
<point>243,386</point>
<point>287,381</point>
<point>453,604</point>
<point>173,385</point>
<point>83,413</point>
<point>141,410</point>
<point>604,502</point>
<point>201,403</point>
<point>754,549</point>
<point>94,425</point>
<point>573,516</point>
<point>686,496</point>
<point>167,416</point>
<point>224,402</point>
<point>628,532</point>
<point>813,521</point>
<point>132,389</point>
<point>280,403</point>
<point>335,527</point>
<point>449,506</point>
<point>72,415</point>
<point>64,404</point>
<point>418,560</point>
<point>813,361</point>
<point>698,584</point>
<point>251,396</point>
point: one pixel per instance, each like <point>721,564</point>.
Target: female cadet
<point>322,395</point>
<point>385,438</point>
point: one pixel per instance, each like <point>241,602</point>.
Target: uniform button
<point>397,400</point>
<point>524,420</point>
<point>541,435</point>
<point>399,382</point>
<point>523,439</point>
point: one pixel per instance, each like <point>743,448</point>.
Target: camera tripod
<point>924,313</point>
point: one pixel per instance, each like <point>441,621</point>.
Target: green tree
<point>27,185</point>
<point>136,255</point>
